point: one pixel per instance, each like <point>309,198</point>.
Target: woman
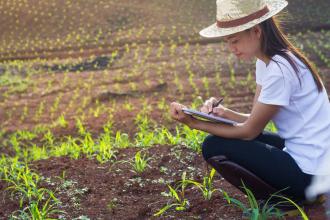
<point>289,92</point>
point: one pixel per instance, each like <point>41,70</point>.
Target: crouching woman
<point>289,92</point>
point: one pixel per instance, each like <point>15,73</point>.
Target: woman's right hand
<point>207,107</point>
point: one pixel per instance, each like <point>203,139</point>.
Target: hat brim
<point>214,31</point>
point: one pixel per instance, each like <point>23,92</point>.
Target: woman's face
<point>246,44</point>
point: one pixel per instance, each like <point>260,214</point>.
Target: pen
<point>216,105</point>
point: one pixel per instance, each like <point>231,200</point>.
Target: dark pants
<point>264,157</point>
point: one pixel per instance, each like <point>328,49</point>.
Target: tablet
<point>208,117</point>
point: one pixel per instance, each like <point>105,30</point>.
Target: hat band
<point>243,20</point>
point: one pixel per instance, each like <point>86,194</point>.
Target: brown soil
<point>114,191</point>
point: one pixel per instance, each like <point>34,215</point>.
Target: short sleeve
<point>275,90</point>
<point>258,72</point>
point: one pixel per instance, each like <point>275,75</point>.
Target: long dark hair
<point>275,42</point>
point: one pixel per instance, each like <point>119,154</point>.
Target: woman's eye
<point>234,41</point>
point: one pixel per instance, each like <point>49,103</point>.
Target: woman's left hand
<point>179,115</point>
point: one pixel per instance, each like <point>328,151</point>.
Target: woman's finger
<point>219,110</point>
<point>209,104</point>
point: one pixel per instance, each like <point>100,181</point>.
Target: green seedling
<point>121,140</point>
<point>39,209</point>
<point>206,187</point>
<point>193,138</point>
<point>180,203</point>
<point>266,210</point>
<point>140,162</point>
<point>80,127</point>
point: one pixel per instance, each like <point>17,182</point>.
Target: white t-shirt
<point>303,119</point>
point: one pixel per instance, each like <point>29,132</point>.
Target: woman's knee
<point>211,146</point>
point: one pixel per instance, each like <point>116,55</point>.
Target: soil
<point>114,191</point>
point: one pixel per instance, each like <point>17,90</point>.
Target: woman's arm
<point>237,116</point>
<point>261,114</point>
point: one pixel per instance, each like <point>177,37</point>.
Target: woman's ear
<point>257,31</point>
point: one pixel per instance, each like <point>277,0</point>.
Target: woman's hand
<point>177,114</point>
<point>220,110</point>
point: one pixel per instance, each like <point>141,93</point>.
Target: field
<point>85,88</point>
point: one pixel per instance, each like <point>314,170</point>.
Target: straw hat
<point>238,15</point>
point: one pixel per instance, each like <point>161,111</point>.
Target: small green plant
<point>39,209</point>
<point>26,135</point>
<point>104,149</point>
<point>23,184</point>
<point>263,211</point>
<point>193,138</point>
<point>80,127</point>
<point>61,122</point>
<point>300,209</point>
<point>140,162</point>
<point>206,187</point>
<point>112,204</point>
<point>180,203</point>
<point>121,140</point>
<point>271,127</point>
<point>49,138</point>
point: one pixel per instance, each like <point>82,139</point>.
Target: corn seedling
<point>172,139</point>
<point>105,151</point>
<point>37,210</point>
<point>121,140</point>
<point>24,184</point>
<point>271,127</point>
<point>26,135</point>
<point>140,162</point>
<point>288,200</point>
<point>206,187</point>
<point>49,138</point>
<point>206,83</point>
<point>193,138</point>
<point>264,211</point>
<point>88,145</point>
<point>80,127</point>
<point>15,143</point>
<point>179,203</point>
<point>144,137</point>
<point>61,122</point>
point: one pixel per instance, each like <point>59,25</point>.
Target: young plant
<point>80,127</point>
<point>206,187</point>
<point>121,140</point>
<point>140,162</point>
<point>193,138</point>
<point>61,122</point>
<point>39,209</point>
<point>104,149</point>
<point>300,209</point>
<point>145,136</point>
<point>49,138</point>
<point>263,211</point>
<point>180,203</point>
